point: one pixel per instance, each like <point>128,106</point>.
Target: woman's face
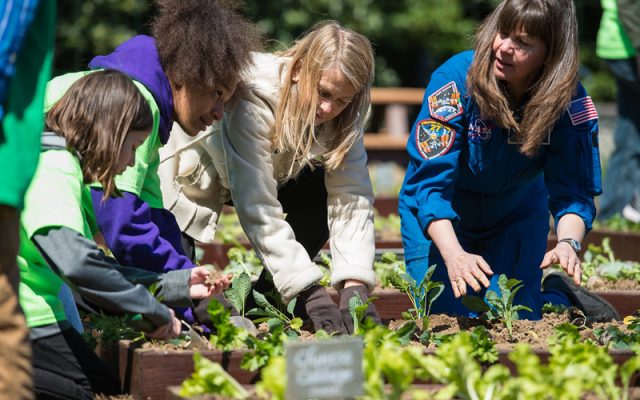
<point>517,58</point>
<point>127,156</point>
<point>335,92</point>
<point>196,107</point>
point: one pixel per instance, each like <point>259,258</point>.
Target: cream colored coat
<point>234,159</point>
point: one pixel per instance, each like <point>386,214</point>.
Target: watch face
<point>575,245</point>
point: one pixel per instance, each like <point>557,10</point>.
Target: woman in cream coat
<point>289,156</point>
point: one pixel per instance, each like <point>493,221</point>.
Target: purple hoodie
<point>138,58</point>
<point>138,235</point>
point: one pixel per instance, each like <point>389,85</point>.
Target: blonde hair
<point>95,116</point>
<point>327,45</point>
<point>554,23</point>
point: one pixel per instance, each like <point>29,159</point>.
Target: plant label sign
<point>324,369</point>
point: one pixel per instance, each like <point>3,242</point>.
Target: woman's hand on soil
<point>467,269</point>
<point>564,255</point>
<point>168,331</point>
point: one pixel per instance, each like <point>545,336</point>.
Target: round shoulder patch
<point>433,138</point>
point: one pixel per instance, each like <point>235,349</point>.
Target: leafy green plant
<point>601,261</point>
<point>273,382</point>
<point>388,269</point>
<point>243,260</point>
<point>227,336</point>
<point>274,317</point>
<point>238,292</point>
<point>210,378</point>
<point>358,310</point>
<point>617,223</point>
<point>326,267</point>
<point>498,307</point>
<point>107,329</point>
<point>262,349</point>
<point>422,296</point>
<point>614,338</point>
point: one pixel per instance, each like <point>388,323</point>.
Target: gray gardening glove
<point>321,309</point>
<point>345,296</point>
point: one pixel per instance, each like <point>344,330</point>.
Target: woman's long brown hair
<point>554,23</point>
<point>94,116</point>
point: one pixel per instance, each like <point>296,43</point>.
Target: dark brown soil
<point>605,285</point>
<point>535,333</point>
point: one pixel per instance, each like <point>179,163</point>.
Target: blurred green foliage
<point>410,37</point>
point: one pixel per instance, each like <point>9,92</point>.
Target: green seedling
<point>326,267</point>
<point>358,311</point>
<point>238,292</point>
<point>422,296</point>
<point>261,350</point>
<point>227,336</point>
<point>210,378</point>
<point>274,317</point>
<point>499,307</point>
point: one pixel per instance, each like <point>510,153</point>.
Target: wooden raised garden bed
<point>146,373</point>
<point>391,303</point>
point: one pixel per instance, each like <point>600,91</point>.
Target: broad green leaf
<point>475,303</point>
<point>292,306</point>
<point>261,300</point>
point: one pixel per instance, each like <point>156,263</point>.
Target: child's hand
<point>206,283</point>
<point>168,331</point>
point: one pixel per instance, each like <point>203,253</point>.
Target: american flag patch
<point>582,110</point>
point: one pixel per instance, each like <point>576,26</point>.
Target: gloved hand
<point>321,309</point>
<point>345,296</point>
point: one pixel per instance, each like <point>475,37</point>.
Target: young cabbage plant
<point>422,296</point>
<point>238,292</point>
<point>498,307</point>
<point>358,311</point>
<point>273,316</point>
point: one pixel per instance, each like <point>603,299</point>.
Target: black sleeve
<point>96,277</point>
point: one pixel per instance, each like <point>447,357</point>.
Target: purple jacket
<point>138,235</point>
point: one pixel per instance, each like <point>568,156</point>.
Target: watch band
<point>575,245</point>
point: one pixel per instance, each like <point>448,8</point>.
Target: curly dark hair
<point>203,42</point>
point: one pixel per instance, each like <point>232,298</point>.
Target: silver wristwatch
<point>575,245</point>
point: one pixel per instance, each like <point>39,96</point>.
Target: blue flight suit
<point>468,170</point>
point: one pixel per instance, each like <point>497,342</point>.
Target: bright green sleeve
<point>54,198</point>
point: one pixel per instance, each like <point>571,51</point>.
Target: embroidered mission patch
<point>582,110</point>
<point>433,138</point>
<point>444,104</point>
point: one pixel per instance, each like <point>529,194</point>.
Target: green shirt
<point>56,198</point>
<point>612,42</point>
<point>142,179</point>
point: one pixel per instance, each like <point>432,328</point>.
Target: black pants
<point>64,367</point>
<point>304,200</point>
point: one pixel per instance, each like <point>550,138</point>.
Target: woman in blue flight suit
<point>506,134</point>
